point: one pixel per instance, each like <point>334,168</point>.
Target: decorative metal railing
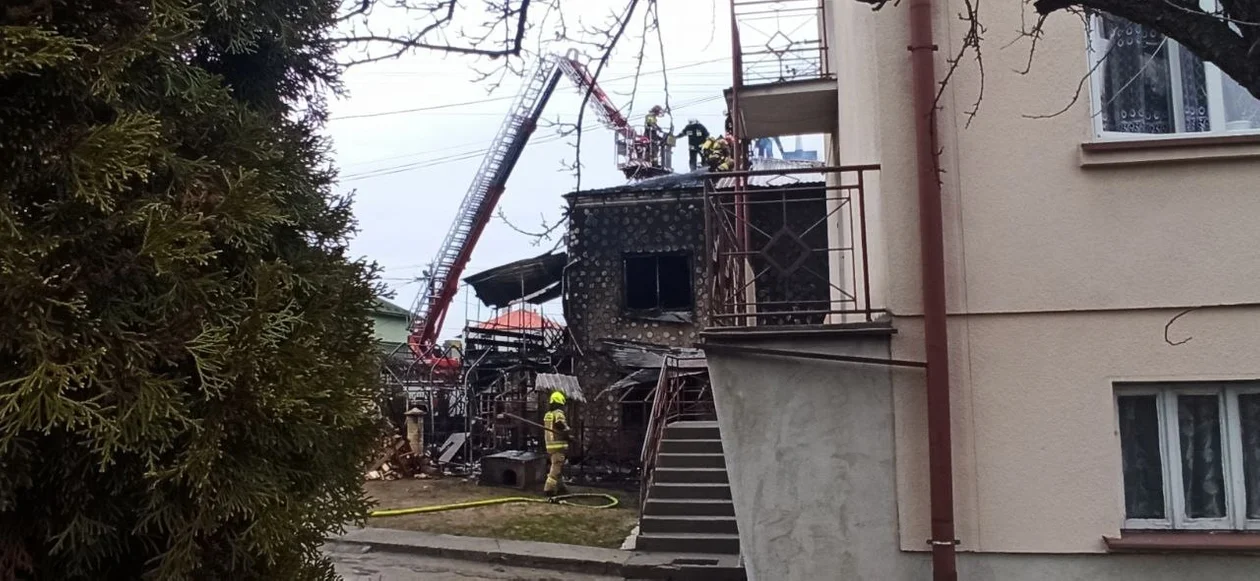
<point>780,40</point>
<point>789,247</point>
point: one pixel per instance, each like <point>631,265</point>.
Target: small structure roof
<point>517,320</point>
<point>566,384</point>
<point>385,308</point>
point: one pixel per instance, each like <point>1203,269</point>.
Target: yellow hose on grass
<point>612,502</point>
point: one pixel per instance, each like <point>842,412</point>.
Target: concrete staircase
<point>688,507</point>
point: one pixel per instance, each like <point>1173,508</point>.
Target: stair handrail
<point>664,400</point>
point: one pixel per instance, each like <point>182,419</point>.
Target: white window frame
<point>1213,80</point>
<point>1164,457</point>
<point>1239,492</point>
<point>1170,454</point>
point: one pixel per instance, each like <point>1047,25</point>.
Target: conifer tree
<point>187,373</point>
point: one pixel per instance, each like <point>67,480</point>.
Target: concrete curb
<point>570,558</point>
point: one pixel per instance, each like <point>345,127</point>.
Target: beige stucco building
<point>1081,411</point>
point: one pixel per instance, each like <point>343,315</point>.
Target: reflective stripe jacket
<point>555,421</point>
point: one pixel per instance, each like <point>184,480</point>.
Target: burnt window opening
<point>658,282</point>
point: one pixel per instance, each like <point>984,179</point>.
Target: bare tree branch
<point>971,43</point>
<point>1227,36</point>
<point>660,42</point>
<point>508,18</point>
<point>1212,36</point>
<point>619,26</point>
<point>1080,86</point>
<point>544,233</point>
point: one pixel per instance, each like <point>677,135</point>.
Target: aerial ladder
<point>638,157</point>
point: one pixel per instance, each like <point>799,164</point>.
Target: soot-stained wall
<point>605,229</point>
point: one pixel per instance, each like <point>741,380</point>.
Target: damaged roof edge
<point>534,280</point>
<point>633,354</point>
<point>695,181</point>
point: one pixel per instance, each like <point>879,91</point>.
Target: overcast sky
<point>410,170</point>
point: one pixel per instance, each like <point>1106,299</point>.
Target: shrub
<point>187,373</point>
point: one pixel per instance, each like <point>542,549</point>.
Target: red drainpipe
<point>932,254</point>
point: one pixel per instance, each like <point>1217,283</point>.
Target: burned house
<point>515,358</point>
<point>638,286</point>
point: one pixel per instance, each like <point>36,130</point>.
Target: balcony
<point>787,247</point>
<point>783,84</point>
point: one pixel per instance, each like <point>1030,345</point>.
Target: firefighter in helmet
<point>556,436</point>
<point>656,138</point>
<point>696,134</point>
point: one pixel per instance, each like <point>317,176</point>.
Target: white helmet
<point>692,120</point>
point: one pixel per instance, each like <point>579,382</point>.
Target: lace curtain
<point>1138,83</point>
<point>1139,451</point>
<point>1202,474</point>
<point>1205,486</point>
<point>1249,414</point>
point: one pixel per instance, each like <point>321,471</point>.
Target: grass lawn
<point>550,523</point>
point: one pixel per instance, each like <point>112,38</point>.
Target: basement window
<point>1190,455</point>
<point>658,282</point>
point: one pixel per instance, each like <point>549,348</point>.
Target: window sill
<point>661,316</point>
<point>1122,152</point>
<point>1135,541</point>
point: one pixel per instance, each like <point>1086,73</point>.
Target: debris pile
<point>398,461</point>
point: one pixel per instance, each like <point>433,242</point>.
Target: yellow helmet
<point>557,397</point>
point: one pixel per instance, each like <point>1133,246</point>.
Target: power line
<point>422,164</point>
<point>464,156</point>
<point>419,109</point>
<point>495,99</point>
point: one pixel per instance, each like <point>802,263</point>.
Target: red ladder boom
<point>475,211</point>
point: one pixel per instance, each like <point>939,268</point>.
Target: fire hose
<point>611,502</point>
<point>566,499</point>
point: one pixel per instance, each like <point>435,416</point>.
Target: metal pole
<point>932,258</point>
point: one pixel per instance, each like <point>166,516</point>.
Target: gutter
<point>932,259</point>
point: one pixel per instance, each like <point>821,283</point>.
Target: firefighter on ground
<point>696,135</point>
<point>556,436</point>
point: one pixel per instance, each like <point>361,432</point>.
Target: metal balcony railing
<point>780,40</point>
<point>678,396</point>
<point>788,247</point>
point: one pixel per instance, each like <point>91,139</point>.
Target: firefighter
<point>652,130</point>
<point>717,154</point>
<point>696,134</point>
<point>707,153</point>
<point>556,436</point>
<point>652,122</point>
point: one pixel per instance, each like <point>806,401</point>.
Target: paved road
<point>372,566</point>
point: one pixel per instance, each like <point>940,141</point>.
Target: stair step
<point>690,490</point>
<point>693,431</point>
<point>688,507</point>
<point>724,525</point>
<point>668,566</point>
<point>690,461</point>
<point>691,475</point>
<point>688,543</point>
<point>707,446</point>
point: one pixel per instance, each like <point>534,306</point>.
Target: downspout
<point>932,258</point>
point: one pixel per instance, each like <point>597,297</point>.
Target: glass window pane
<point>1242,110</point>
<point>1202,470</point>
<point>1138,83</point>
<point>1136,90</point>
<point>1139,451</point>
<point>1194,98</point>
<point>1249,412</point>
